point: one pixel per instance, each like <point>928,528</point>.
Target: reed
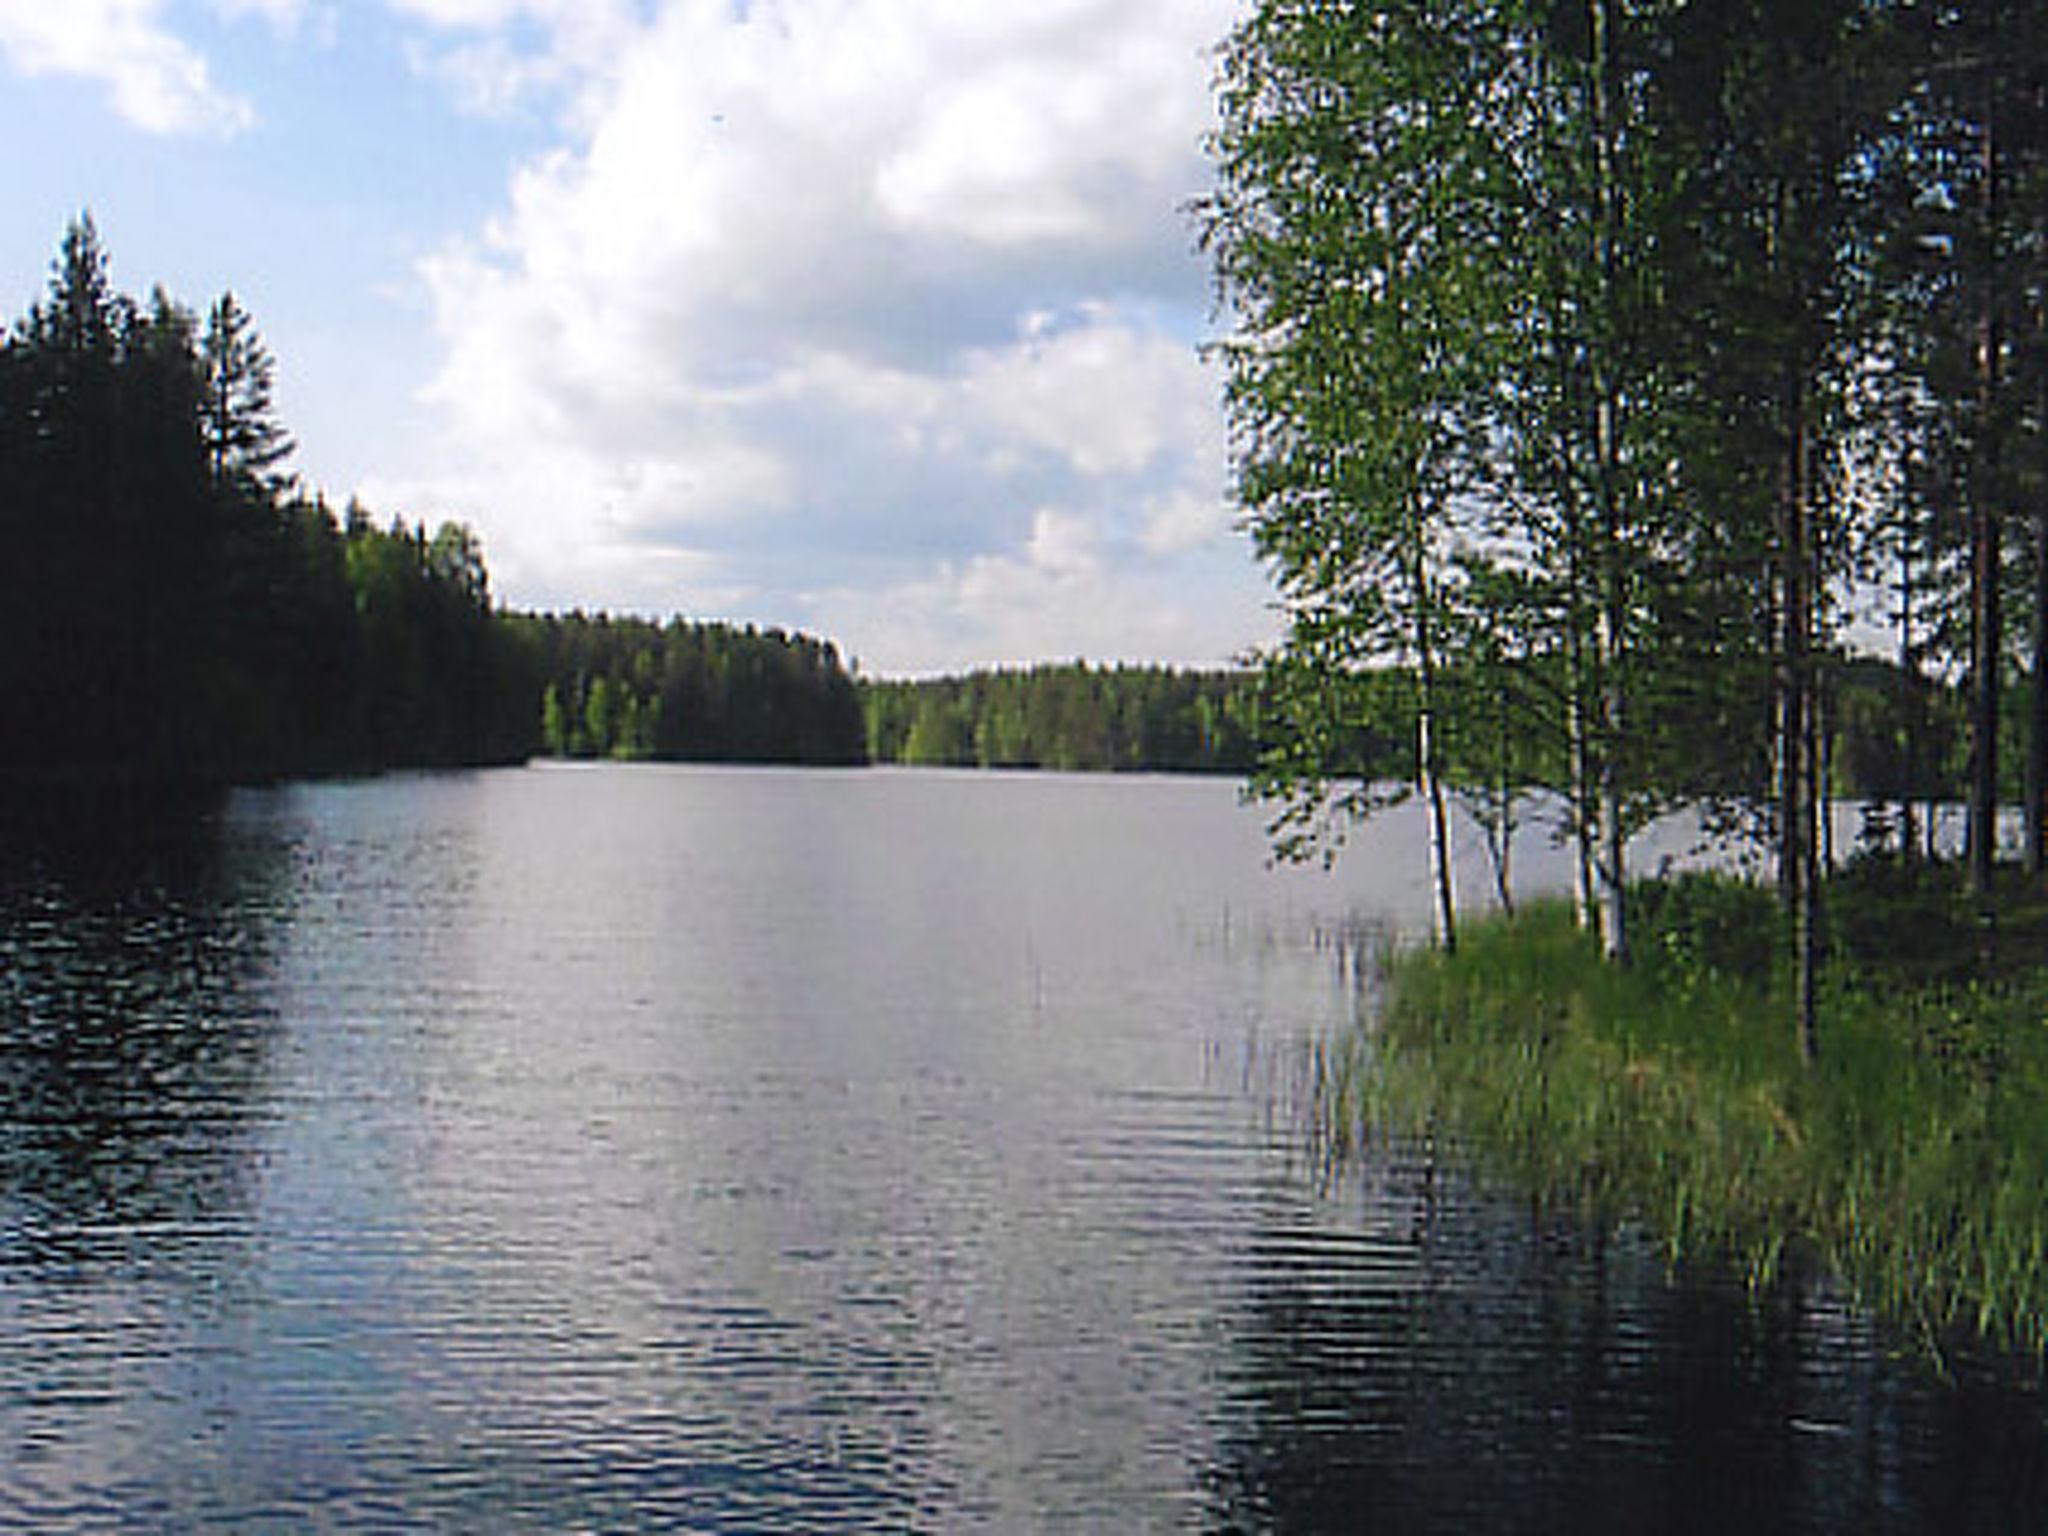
<point>1912,1160</point>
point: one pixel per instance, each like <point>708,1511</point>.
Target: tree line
<point>176,610</point>
<point>628,688</point>
<point>1071,716</point>
<point>172,608</point>
<point>1608,366</point>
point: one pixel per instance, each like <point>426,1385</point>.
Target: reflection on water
<point>734,1150</point>
<point>130,1054</point>
<point>1453,1359</point>
<point>132,1062</point>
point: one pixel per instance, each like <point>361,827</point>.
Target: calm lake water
<point>633,1148</point>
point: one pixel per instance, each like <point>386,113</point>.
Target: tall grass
<point>1912,1160</point>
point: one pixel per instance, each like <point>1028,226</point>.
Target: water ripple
<point>662,1150</point>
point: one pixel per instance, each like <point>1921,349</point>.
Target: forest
<point>1611,385</point>
<point>1614,369</point>
<point>1069,716</point>
<point>628,688</point>
<point>175,610</point>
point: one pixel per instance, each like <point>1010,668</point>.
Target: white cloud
<point>1179,520</point>
<point>1108,394</point>
<point>157,82</point>
<point>505,53</point>
<point>1063,547</point>
<point>828,299</point>
<point>284,17</point>
<point>489,78</point>
<point>1061,597</point>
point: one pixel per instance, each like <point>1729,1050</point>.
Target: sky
<point>879,319</point>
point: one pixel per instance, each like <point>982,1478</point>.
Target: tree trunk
<point>1797,751</point>
<point>1909,706</point>
<point>1986,635</point>
<point>1606,451</point>
<point>1439,818</point>
<point>1798,757</point>
<point>1584,909</point>
<point>1824,772</point>
<point>1612,862</point>
<point>1426,766</point>
<point>1503,861</point>
<point>1986,617</point>
<point>2037,701</point>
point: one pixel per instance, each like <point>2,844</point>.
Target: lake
<point>646,1147</point>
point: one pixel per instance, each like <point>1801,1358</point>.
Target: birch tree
<point>1357,257</point>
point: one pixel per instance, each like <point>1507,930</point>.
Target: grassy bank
<point>1912,1160</point>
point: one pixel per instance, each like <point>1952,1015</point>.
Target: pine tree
<point>245,443</point>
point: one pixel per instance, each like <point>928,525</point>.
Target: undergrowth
<point>1912,1159</point>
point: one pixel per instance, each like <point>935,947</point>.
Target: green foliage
<point>1074,717</point>
<point>556,738</point>
<point>1706,926</point>
<point>244,441</point>
<point>1587,365</point>
<point>168,615</point>
<point>1349,730</point>
<point>170,612</point>
<point>1353,235</point>
<point>1461,248</point>
<point>1898,736</point>
<point>629,688</point>
<point>1911,1160</point>
<point>1886,910</point>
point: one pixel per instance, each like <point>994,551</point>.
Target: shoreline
<point>1911,1161</point>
